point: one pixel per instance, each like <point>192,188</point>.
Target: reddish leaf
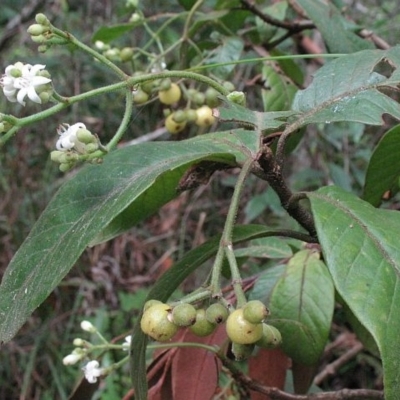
<point>269,368</point>
<point>194,370</point>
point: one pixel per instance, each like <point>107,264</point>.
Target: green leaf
<point>269,32</point>
<point>335,29</point>
<point>278,92</point>
<point>350,89</point>
<point>230,50</point>
<point>233,112</point>
<point>301,306</point>
<point>383,168</point>
<point>266,248</point>
<point>107,34</point>
<point>166,285</point>
<point>361,248</point>
<point>89,203</point>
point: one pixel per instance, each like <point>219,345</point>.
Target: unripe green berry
<point>191,115</point>
<point>217,313</point>
<point>242,351</point>
<point>184,314</point>
<point>126,54</point>
<point>199,98</point>
<point>255,311</point>
<point>229,86</point>
<point>179,116</point>
<point>140,96</point>
<point>270,338</point>
<point>202,327</point>
<point>240,330</point>
<point>172,126</point>
<point>156,322</point>
<point>212,99</point>
<point>170,96</point>
<point>165,84</point>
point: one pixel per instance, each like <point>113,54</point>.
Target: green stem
<point>225,247</point>
<point>72,39</point>
<point>189,18</point>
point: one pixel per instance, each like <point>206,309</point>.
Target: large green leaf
<point>167,284</point>
<point>350,89</point>
<point>335,29</point>
<point>384,167</point>
<point>361,248</point>
<point>301,305</point>
<point>90,202</point>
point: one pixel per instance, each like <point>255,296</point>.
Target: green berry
<point>126,54</point>
<point>150,303</point>
<point>217,313</point>
<point>184,314</point>
<point>212,99</point>
<point>205,116</point>
<point>140,96</point>
<point>170,96</point>
<point>156,322</point>
<point>240,330</point>
<point>202,327</point>
<point>172,126</point>
<point>255,311</point>
<point>270,338</point>
<point>179,116</point>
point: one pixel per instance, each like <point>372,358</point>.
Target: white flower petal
<point>21,95</point>
<point>33,95</point>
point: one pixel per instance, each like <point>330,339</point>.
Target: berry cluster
<point>245,326</point>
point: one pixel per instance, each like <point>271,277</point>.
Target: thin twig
<point>331,368</point>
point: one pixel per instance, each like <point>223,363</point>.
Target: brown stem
<point>272,173</point>
<point>277,394</point>
<point>292,27</point>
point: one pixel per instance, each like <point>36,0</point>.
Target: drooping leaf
<point>166,285</point>
<point>350,89</point>
<point>278,92</point>
<point>230,50</point>
<point>361,248</point>
<point>233,112</point>
<point>90,202</point>
<point>301,306</point>
<point>383,168</point>
<point>335,29</point>
<point>266,248</point>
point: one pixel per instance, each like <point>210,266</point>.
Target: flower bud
<point>71,359</point>
<point>237,97</point>
<point>64,167</point>
<point>85,136</point>
<point>91,147</point>
<point>39,38</point>
<point>42,19</point>
<point>88,326</point>
<point>126,54</point>
<point>78,342</point>
<point>36,29</point>
<point>56,155</point>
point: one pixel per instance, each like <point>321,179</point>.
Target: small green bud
<point>45,96</point>
<point>228,86</point>
<point>140,96</point>
<point>199,98</point>
<point>42,19</point>
<point>36,29</point>
<point>212,97</point>
<point>39,38</point>
<point>237,97</point>
<point>85,136</point>
<point>165,84</point>
<point>191,115</point>
<point>64,167</point>
<point>43,48</point>
<point>92,147</point>
<point>56,156</point>
<point>16,73</point>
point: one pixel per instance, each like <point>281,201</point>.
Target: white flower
<point>21,80</point>
<point>127,344</point>
<point>68,140</point>
<point>88,326</point>
<point>92,371</point>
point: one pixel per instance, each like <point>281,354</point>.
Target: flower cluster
<point>74,141</point>
<point>21,80</point>
<point>83,349</point>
